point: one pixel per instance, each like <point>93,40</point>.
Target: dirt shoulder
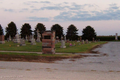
<point>44,59</point>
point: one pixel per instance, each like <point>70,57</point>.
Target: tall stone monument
<point>48,42</point>
<point>38,36</point>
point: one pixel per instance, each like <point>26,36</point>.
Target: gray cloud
<point>113,6</point>
<point>35,2</point>
<point>24,9</point>
<point>37,19</point>
<point>45,2</point>
<point>52,8</point>
<point>86,16</point>
<point>9,10</point>
<point>77,12</point>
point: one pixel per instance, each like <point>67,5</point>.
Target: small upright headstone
<point>93,39</point>
<point>62,43</point>
<point>57,40</point>
<point>17,38</point>
<point>26,38</point>
<point>86,41</point>
<point>83,41</point>
<point>33,41</point>
<point>22,42</point>
<point>10,38</point>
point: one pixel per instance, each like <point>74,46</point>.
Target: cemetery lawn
<point>46,58</point>
<point>83,48</point>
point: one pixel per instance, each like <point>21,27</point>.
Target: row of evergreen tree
<point>71,34</point>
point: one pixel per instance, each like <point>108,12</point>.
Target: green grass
<point>78,48</point>
<point>10,46</point>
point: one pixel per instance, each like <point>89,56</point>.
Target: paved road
<point>106,66</point>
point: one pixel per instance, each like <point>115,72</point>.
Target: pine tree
<point>11,30</point>
<point>88,33</point>
<point>58,30</point>
<point>1,30</point>
<point>26,30</point>
<point>72,33</point>
<point>41,29</point>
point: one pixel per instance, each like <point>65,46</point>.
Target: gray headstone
<point>22,42</point>
<point>33,41</point>
<point>38,36</point>
<point>62,44</point>
<point>17,38</point>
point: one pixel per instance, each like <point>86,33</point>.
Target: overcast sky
<point>102,15</point>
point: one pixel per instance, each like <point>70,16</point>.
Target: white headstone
<point>17,38</point>
<point>22,42</point>
<point>10,38</point>
<point>38,36</point>
<point>33,41</point>
<point>62,44</point>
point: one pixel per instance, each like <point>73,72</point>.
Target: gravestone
<point>80,39</point>
<point>48,42</point>
<point>33,40</point>
<point>9,38</point>
<point>57,40</point>
<point>93,39</point>
<point>26,38</point>
<point>2,39</point>
<point>62,43</point>
<point>86,41</point>
<point>38,36</point>
<point>83,41</point>
<point>17,38</point>
<point>22,42</point>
